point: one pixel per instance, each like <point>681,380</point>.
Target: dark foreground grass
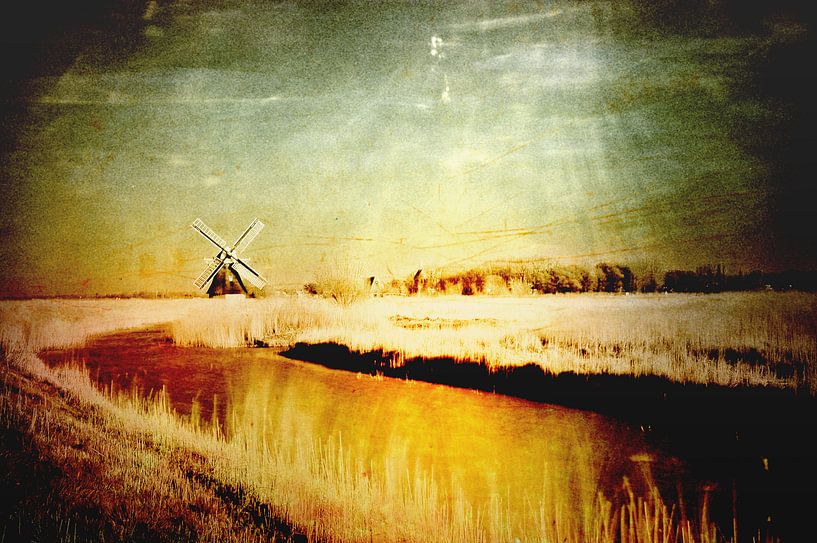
<point>62,479</point>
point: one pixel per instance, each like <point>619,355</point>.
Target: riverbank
<point>645,400</point>
<point>71,473</point>
<point>310,484</point>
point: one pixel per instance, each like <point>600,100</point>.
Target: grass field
<point>143,459</point>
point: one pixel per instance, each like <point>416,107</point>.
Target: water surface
<point>483,445</point>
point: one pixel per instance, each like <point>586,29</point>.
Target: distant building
<point>372,286</point>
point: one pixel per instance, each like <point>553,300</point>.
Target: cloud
<point>212,180</point>
<point>114,98</point>
<point>168,86</point>
<point>504,22</point>
<point>178,160</point>
<point>461,160</point>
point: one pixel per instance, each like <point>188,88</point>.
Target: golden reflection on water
<point>488,449</point>
<point>484,445</point>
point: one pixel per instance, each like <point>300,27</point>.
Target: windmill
<point>226,261</point>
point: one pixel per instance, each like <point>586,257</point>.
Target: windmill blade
<point>208,233</point>
<point>209,272</point>
<point>249,234</point>
<point>249,274</point>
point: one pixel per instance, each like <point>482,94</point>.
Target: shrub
<point>341,281</point>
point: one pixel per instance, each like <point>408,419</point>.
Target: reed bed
<point>39,324</point>
<point>756,339</point>
<point>317,487</point>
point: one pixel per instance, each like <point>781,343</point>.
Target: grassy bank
<point>144,472</point>
<point>72,473</point>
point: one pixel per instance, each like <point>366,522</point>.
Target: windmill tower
<point>226,272</point>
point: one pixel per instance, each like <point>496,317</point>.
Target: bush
<point>473,282</point>
<point>341,281</point>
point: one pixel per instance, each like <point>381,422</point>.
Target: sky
<point>391,136</point>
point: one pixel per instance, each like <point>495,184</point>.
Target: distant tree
<point>565,279</point>
<point>646,275</point>
<point>680,281</point>
<point>586,281</point>
<point>553,280</point>
<point>601,277</point>
<point>720,279</point>
<point>473,282</point>
<point>506,274</point>
<point>496,284</point>
<point>705,279</point>
<point>539,280</point>
<point>340,280</point>
<point>754,280</point>
<point>396,286</point>
<point>610,278</point>
<point>627,279</point>
<point>648,282</point>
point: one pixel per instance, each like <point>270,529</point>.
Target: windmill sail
<point>209,272</point>
<point>208,233</point>
<point>246,238</point>
<point>249,274</point>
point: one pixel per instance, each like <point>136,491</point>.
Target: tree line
<point>603,277</point>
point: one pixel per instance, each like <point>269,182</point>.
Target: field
<point>140,458</point>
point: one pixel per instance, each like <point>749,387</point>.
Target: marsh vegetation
<point>191,468</point>
<point>757,338</point>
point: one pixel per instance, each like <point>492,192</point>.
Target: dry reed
<point>727,339</point>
